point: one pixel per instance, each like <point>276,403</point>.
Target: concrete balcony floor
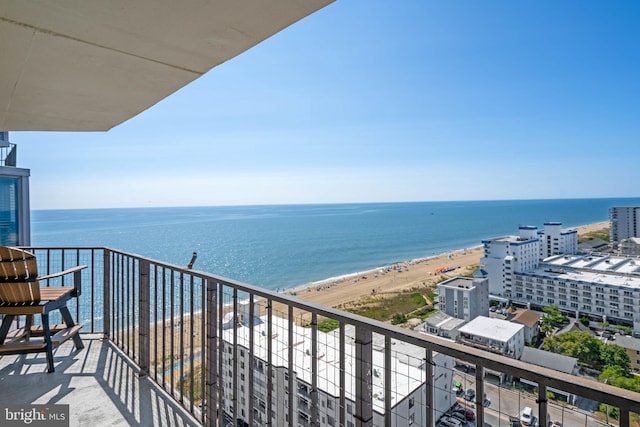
<point>100,385</point>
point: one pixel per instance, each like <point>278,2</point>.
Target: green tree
<point>579,344</point>
<point>612,355</point>
<point>613,411</point>
<point>553,317</point>
<point>617,377</point>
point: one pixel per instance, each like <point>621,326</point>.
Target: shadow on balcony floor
<point>100,385</point>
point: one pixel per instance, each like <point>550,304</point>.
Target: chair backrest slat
<point>16,268</point>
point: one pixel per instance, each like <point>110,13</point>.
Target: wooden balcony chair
<point>22,295</point>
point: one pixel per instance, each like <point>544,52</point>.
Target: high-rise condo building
<point>623,222</point>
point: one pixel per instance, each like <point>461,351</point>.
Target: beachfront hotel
<point>602,287</point>
<point>508,254</point>
<point>146,334</point>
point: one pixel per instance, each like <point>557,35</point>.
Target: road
<point>507,402</point>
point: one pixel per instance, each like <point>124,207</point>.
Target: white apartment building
<point>494,335</point>
<point>602,287</point>
<point>408,376</point>
<point>624,223</point>
<point>464,298</point>
<point>508,254</point>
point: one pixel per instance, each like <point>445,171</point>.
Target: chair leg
<point>47,341</point>
<point>68,321</point>
<point>27,325</point>
<point>7,320</point>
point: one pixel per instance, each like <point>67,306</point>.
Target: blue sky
<point>372,100</point>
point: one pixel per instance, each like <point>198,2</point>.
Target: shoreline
<point>419,274</point>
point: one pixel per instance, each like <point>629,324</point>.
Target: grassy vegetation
<point>384,308</point>
<point>603,234</point>
<point>328,325</point>
<point>469,270</point>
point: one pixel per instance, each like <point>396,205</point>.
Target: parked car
<point>526,416</point>
<point>451,422</point>
<point>460,416</point>
<point>470,394</point>
<point>467,412</point>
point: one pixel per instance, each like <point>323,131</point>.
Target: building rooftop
<point>495,329</point>
<point>458,282</point>
<point>443,321</point>
<point>627,341</point>
<point>407,374</point>
<point>526,317</point>
<point>548,359</point>
<point>608,270</point>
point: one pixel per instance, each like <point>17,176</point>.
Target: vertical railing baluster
<point>429,389</point>
<point>93,291</point>
<point>290,368</point>
<point>623,417</point>
<point>192,321</point>
<point>364,387</point>
<point>235,377</point>
<point>172,379</point>
<point>212,405</point>
<point>269,359</point>
<point>164,327</point>
<point>480,394</point>
<point>181,339</point>
<point>144,317</point>
<point>221,349</point>
<point>314,370</point>
<point>343,380</point>
<point>121,297</point>
<point>251,360</point>
<point>542,403</point>
<point>106,293</point>
<point>387,380</point>
<point>203,346</point>
<point>134,292</point>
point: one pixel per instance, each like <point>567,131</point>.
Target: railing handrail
<point>546,378</point>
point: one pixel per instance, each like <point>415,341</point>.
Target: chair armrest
<point>62,273</point>
<point>77,281</point>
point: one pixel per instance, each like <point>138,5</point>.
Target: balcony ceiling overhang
<point>89,65</point>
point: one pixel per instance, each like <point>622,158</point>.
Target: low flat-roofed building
<point>495,335</point>
<point>593,245</point>
<point>441,325</point>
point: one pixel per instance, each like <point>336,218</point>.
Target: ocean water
<point>285,246</point>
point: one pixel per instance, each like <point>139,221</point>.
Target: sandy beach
<point>413,274</point>
<point>419,274</point>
